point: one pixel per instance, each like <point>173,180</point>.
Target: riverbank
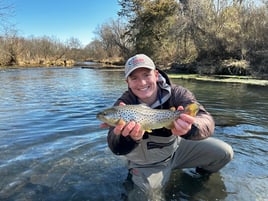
<point>212,78</point>
<point>221,78</point>
<point>174,75</point>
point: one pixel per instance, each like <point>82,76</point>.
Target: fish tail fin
<point>191,109</point>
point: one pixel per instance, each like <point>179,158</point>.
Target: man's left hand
<point>182,125</point>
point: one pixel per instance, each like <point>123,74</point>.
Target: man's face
<point>142,82</point>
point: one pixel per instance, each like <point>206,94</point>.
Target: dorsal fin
<point>144,105</point>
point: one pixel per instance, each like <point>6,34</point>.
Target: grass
<point>221,78</point>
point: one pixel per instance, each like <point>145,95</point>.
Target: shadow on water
<point>51,146</point>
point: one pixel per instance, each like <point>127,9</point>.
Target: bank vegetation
<point>205,37</point>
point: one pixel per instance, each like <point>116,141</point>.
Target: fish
<point>147,117</point>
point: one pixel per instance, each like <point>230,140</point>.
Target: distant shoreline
<point>211,78</point>
<point>221,78</point>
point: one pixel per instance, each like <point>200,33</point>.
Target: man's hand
<point>182,125</point>
<point>131,129</point>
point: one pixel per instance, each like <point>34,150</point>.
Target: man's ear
<point>156,73</point>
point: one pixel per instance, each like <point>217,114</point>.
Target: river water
<point>51,146</point>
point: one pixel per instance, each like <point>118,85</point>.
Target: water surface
<point>51,146</point>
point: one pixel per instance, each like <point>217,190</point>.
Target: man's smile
<point>144,88</point>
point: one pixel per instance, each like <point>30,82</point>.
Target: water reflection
<point>53,149</point>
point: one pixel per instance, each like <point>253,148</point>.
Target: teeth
<point>144,89</point>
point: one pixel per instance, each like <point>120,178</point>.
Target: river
<point>51,146</point>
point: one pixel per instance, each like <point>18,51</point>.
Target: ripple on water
<point>53,149</point>
<point>250,159</point>
<point>66,171</point>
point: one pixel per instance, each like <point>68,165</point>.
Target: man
<point>152,156</point>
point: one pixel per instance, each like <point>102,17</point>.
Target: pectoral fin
<point>121,122</point>
<point>149,130</point>
<point>170,126</point>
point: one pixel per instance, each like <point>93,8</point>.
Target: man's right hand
<point>131,129</point>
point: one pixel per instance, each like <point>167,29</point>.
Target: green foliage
<point>150,23</point>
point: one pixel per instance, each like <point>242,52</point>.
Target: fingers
<point>122,104</point>
<point>136,133</point>
<point>180,108</point>
<point>119,127</point>
<point>187,118</point>
<point>131,129</point>
<point>183,125</point>
<point>123,128</point>
<point>104,125</point>
<point>128,128</point>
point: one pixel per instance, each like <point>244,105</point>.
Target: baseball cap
<point>138,61</point>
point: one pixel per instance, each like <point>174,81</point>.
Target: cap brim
<point>148,67</point>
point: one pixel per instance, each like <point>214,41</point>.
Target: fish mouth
<point>99,116</point>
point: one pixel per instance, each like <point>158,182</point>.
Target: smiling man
<point>152,156</point>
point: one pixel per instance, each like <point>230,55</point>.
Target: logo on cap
<point>135,61</point>
<point>138,61</point>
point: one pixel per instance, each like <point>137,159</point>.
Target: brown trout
<point>147,117</point>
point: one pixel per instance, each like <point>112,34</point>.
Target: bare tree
<point>106,36</point>
<point>95,50</point>
<point>10,49</point>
